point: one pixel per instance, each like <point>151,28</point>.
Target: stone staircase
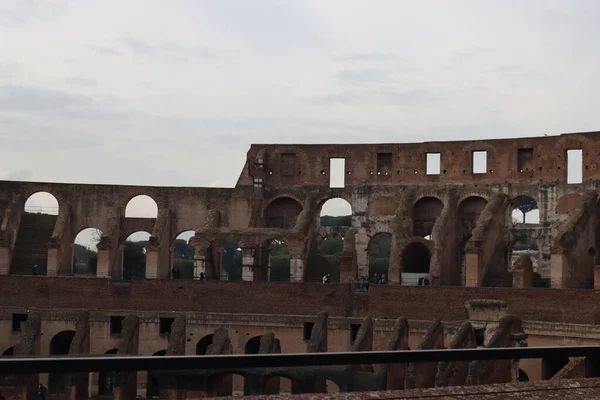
<point>31,248</point>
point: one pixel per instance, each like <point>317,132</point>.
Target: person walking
<point>42,392</point>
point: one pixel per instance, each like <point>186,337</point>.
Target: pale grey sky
<point>174,92</point>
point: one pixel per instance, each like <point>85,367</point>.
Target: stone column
<point>152,260</point>
<point>597,277</point>
<point>522,272</point>
<point>558,270</point>
<point>248,264</point>
<point>4,260</point>
<point>472,270</point>
<point>297,270</point>
<point>199,267</point>
<point>53,261</point>
<point>103,266</point>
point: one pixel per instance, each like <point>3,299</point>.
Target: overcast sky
<point>155,92</point>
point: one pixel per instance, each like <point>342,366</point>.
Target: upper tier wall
<point>539,159</point>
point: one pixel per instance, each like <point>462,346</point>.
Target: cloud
<point>366,57</point>
<point>24,11</point>
<point>105,50</point>
<point>364,76</point>
<point>39,101</point>
<point>408,98</point>
<point>144,48</point>
<point>79,81</point>
<point>19,175</point>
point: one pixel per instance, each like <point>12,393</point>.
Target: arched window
<point>183,257</point>
<point>414,263</point>
<point>153,386</point>
<point>253,345</point>
<point>425,212</point>
<point>85,252</point>
<point>141,206</point>
<point>106,380</point>
<point>283,213</point>
<point>279,261</point>
<point>336,212</point>
<point>525,210</point>
<point>134,256</point>
<point>41,203</point>
<point>379,248</point>
<point>231,259</point>
<point>202,345</point>
<point>59,345</point>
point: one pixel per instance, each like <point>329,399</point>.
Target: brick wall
<point>418,303</point>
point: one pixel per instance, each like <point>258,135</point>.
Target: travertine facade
<point>454,226</point>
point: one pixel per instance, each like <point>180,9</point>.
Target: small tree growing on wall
<point>525,204</point>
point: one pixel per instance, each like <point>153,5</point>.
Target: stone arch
<point>275,260</point>
<point>324,257</point>
<point>522,376</point>
<point>36,228</point>
<point>231,258</point>
<point>425,212</point>
<point>41,202</point>
<point>331,386</point>
<point>106,380</point>
<point>141,206</point>
<point>85,252</point>
<point>415,260</point>
<point>59,345</point>
<point>469,209</point>
<point>278,384</point>
<point>202,345</point>
<point>282,212</point>
<point>252,345</point>
<point>525,210</point>
<point>134,255</point>
<point>182,256</point>
<point>152,386</point>
<point>335,211</point>
<point>379,251</point>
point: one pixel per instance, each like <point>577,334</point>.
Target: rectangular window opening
<point>308,326</point>
<point>575,166</point>
<point>165,325</point>
<point>337,166</point>
<point>354,332</point>
<point>480,162</point>
<point>17,320</point>
<point>433,166</point>
<point>385,164</point>
<point>116,325</point>
<point>525,160</point>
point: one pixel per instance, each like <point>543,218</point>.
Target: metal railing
<point>36,364</point>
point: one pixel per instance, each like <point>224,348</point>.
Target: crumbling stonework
<point>422,375</point>
<point>454,373</point>
<point>509,333</point>
<point>462,218</point>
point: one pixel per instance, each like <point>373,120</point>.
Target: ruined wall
<point>387,164</point>
<point>306,299</point>
<point>574,248</point>
<point>382,182</point>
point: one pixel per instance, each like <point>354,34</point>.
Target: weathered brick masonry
<point>417,303</point>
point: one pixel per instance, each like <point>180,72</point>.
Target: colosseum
<point>437,251</point>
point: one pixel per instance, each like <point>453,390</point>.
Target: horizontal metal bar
<point>89,363</point>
